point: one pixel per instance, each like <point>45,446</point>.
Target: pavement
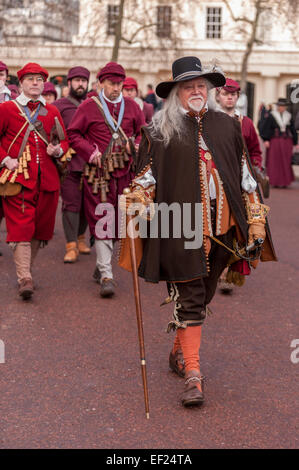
<point>71,376</point>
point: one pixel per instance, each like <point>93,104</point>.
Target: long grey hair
<point>170,120</point>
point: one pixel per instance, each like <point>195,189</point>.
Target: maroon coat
<point>252,141</point>
<point>67,110</point>
<point>88,128</point>
<point>148,111</point>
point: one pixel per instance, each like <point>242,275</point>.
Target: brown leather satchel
<point>10,189</point>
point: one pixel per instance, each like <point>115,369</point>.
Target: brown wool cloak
<point>176,171</point>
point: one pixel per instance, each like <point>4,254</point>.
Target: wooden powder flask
<point>23,161</point>
<point>95,185</point>
<point>107,176</point>
<point>121,162</point>
<point>22,168</point>
<point>5,176</point>
<point>28,154</point>
<point>110,165</point>
<point>125,156</point>
<point>103,189</point>
<point>86,170</point>
<point>92,174</point>
<point>21,165</point>
<point>115,161</point>
<point>14,176</point>
<point>26,174</point>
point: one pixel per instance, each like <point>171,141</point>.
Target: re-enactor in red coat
<point>27,157</point>
<point>98,139</point>
<point>130,89</point>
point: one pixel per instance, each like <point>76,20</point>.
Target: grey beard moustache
<point>194,107</point>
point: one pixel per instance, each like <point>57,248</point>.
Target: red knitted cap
<point>34,68</point>
<point>231,85</point>
<point>112,71</point>
<point>130,82</point>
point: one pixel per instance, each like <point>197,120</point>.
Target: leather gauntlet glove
<point>256,213</point>
<point>137,201</point>
<point>256,230</point>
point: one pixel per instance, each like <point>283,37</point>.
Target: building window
<point>13,3</point>
<point>214,22</point>
<point>164,22</point>
<point>264,28</point>
<point>113,13</point>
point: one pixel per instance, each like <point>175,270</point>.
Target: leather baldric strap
<point>30,126</point>
<point>73,101</point>
<point>99,104</point>
<point>26,136</point>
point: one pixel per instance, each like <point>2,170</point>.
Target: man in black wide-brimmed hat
<point>193,156</point>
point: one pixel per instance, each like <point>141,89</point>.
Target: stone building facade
<point>82,33</point>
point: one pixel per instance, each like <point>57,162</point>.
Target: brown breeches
<point>192,297</point>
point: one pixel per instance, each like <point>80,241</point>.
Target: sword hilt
<point>256,244</point>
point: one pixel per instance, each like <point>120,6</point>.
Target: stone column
<point>270,89</point>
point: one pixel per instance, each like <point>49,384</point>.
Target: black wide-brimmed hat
<point>282,102</point>
<point>188,68</point>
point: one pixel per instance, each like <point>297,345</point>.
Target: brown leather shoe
<point>26,289</point>
<point>82,247</point>
<point>176,362</point>
<point>192,395</point>
<point>72,253</point>
<point>107,287</point>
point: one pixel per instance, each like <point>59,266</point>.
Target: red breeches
<point>30,214</point>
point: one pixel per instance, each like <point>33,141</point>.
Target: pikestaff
<point>138,309</point>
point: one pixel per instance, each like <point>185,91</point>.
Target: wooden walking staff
<point>138,313</point>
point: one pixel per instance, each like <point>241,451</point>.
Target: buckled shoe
<point>193,392</point>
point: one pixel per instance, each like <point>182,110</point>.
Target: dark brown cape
<point>176,171</point>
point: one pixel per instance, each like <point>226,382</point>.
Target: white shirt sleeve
<point>146,180</point>
<point>248,182</point>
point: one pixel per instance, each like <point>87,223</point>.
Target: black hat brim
<point>285,103</point>
<point>216,79</point>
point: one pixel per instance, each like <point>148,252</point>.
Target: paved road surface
<point>71,377</point>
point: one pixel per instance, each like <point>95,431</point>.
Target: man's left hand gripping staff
<point>256,213</point>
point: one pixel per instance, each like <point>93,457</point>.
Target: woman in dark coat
<point>279,133</point>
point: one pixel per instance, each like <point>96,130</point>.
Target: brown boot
<point>83,248</point>
<point>107,287</point>
<point>176,362</point>
<point>72,253</point>
<point>193,393</point>
<point>26,289</point>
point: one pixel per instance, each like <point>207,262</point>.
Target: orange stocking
<point>189,339</point>
<point>176,344</point>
